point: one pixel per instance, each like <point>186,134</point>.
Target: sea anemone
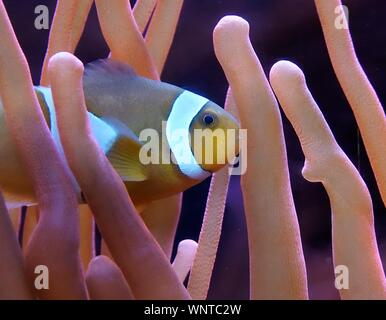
<point>137,248</point>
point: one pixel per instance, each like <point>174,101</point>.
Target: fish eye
<point>209,119</point>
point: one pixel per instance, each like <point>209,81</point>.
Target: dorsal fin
<point>103,70</point>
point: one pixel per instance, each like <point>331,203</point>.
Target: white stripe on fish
<point>184,109</point>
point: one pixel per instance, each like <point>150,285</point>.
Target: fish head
<point>214,137</point>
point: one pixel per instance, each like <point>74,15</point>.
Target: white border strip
<point>103,133</point>
<point>184,109</point>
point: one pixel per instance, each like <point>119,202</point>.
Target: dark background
<point>280,29</point>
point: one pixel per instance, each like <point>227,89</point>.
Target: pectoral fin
<point>124,154</point>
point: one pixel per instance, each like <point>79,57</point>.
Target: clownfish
<point>125,111</point>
